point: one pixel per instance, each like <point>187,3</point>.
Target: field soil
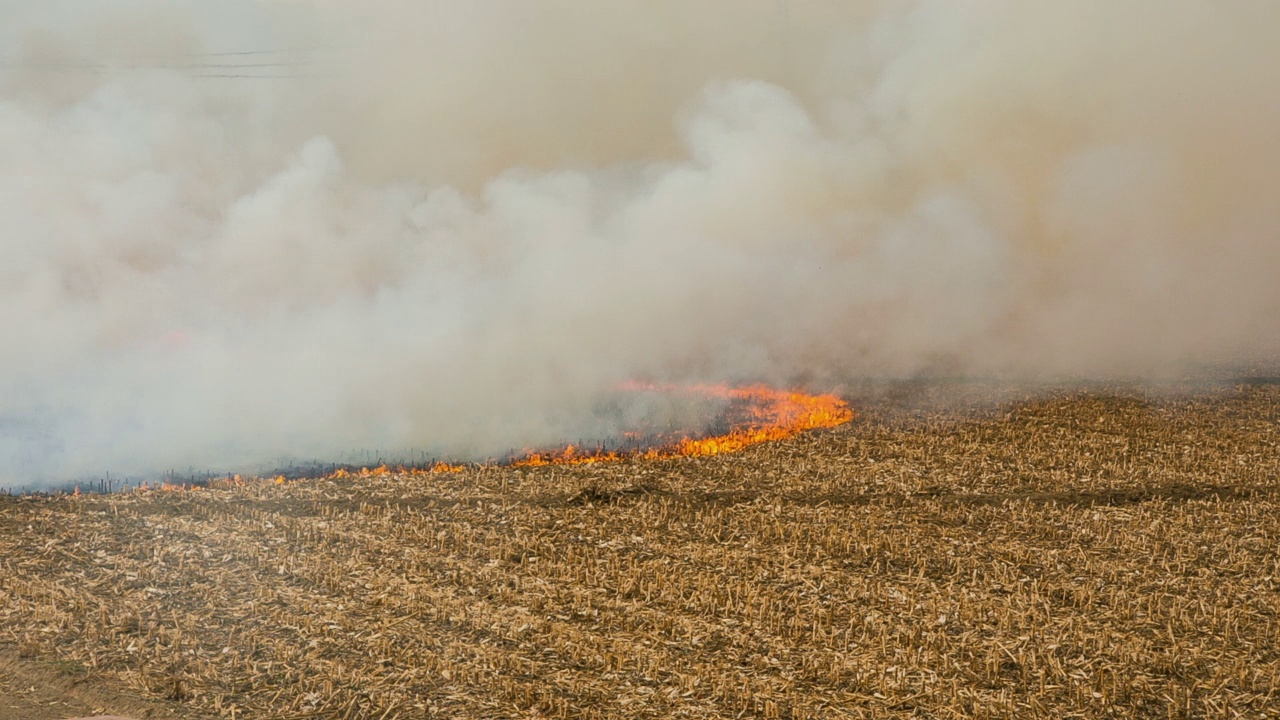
<point>959,550</point>
<point>31,689</point>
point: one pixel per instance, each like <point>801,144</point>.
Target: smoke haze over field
<point>239,231</point>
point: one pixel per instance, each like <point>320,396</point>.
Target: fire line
<point>772,414</point>
<point>763,414</point>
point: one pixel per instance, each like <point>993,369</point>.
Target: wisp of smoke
<point>233,232</point>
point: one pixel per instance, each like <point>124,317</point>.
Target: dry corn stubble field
<point>1104,554</point>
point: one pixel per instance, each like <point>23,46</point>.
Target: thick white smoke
<point>235,232</point>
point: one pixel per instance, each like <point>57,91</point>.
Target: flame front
<point>772,415</point>
<point>762,414</point>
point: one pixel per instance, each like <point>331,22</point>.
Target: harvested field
<point>1103,554</point>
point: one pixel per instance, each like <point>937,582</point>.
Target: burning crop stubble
<point>1103,554</point>
<point>234,232</point>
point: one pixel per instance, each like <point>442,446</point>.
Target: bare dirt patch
<point>34,689</point>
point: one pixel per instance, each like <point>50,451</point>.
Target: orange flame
<point>773,415</point>
<point>767,414</point>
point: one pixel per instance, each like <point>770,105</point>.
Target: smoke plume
<point>232,232</point>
